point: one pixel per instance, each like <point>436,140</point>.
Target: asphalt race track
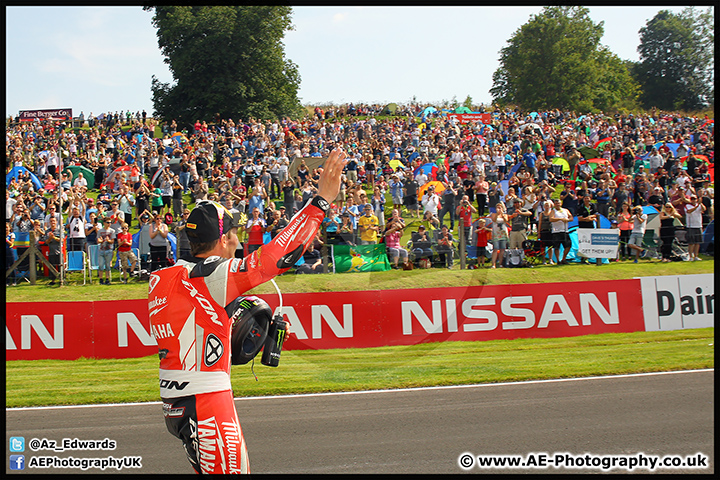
<point>415,430</point>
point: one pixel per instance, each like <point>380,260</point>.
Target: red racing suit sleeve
<point>234,277</point>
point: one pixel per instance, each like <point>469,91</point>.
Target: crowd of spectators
<point>247,165</point>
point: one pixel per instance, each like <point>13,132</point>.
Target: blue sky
<point>100,59</point>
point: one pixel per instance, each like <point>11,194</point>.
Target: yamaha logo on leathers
<point>213,350</point>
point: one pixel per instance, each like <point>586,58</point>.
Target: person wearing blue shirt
<point>396,192</point>
<point>351,209</point>
<point>330,224</point>
<point>529,160</point>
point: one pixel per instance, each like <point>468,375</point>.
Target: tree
<point>227,62</point>
<point>677,60</point>
<point>555,60</point>
<point>468,102</point>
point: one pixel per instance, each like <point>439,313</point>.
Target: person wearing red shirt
<point>464,213</point>
<point>484,234</point>
<point>126,256</point>
<point>255,229</point>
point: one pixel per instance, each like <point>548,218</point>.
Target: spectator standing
<point>500,234</point>
<point>183,243</point>
<point>668,214</point>
<point>430,201</point>
<point>495,193</point>
<point>587,218</point>
<point>464,212</point>
<point>177,197</point>
<point>52,240</point>
<point>126,202</point>
<point>76,231</point>
<point>257,197</point>
<point>624,219</point>
<point>483,236</point>
<point>352,211</point>
<point>639,220</point>
<point>693,222</point>
<point>445,246</point>
<point>378,204</point>
<point>126,257</point>
<point>569,199</point>
<point>519,222</point>
<point>279,221</point>
<point>410,198</point>
<point>368,226</point>
<point>158,243</point>
<point>559,219</point>
<point>396,191</point>
<point>116,216</point>
<point>448,204</point>
<point>330,224</point>
<point>255,228</point>
<point>346,230</point>
<point>620,196</point>
<point>106,240</point>
<point>91,229</point>
<point>481,194</point>
<point>393,234</point>
<point>545,231</point>
<point>157,201</point>
<point>166,191</point>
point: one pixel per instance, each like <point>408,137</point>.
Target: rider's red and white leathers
<point>188,319</point>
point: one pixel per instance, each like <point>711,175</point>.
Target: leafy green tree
<point>468,102</point>
<point>226,61</point>
<point>555,60</point>
<point>677,60</point>
<point>615,87</point>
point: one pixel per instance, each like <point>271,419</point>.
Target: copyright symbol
<point>34,444</point>
<point>466,461</point>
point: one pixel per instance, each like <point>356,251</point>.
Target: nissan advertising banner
<point>108,329</point>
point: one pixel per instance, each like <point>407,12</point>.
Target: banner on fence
<point>598,242</point>
<point>360,258</point>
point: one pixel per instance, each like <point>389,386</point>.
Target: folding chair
<point>534,251</point>
<point>22,240</point>
<point>92,256</point>
<point>18,274</point>
<point>136,252</point>
<point>651,244</point>
<point>76,263</point>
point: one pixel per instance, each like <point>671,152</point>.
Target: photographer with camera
<point>197,305</point>
<point>75,227</point>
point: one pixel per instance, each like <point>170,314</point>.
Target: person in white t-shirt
<point>559,219</point>
<point>80,181</point>
<point>639,220</point>
<point>693,222</point>
<point>431,201</point>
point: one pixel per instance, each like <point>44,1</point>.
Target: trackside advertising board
<point>70,330</point>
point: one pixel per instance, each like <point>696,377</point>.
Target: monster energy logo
<point>281,338</point>
<point>247,304</point>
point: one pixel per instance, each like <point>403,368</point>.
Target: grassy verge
<point>394,279</point>
<point>88,381</point>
